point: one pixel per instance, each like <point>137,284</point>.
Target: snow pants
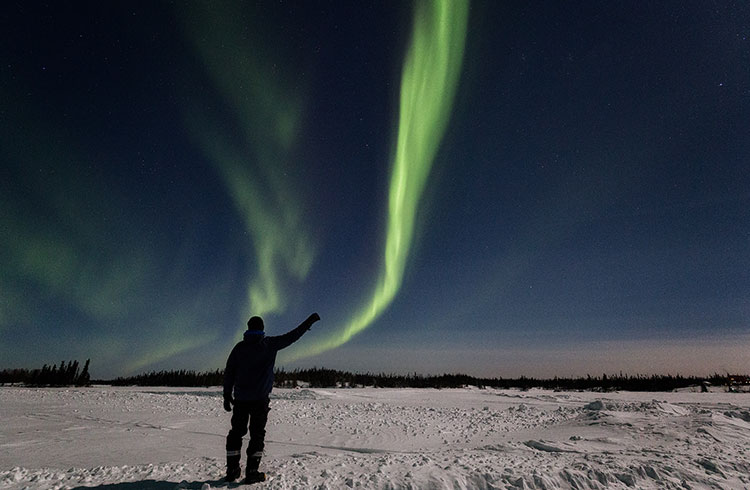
<point>246,415</point>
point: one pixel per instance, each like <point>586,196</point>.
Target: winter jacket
<point>249,369</point>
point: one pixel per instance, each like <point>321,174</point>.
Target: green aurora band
<point>75,243</point>
<point>428,84</point>
<point>255,167</point>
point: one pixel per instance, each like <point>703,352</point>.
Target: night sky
<point>495,188</point>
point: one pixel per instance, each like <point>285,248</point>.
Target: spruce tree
<point>83,378</point>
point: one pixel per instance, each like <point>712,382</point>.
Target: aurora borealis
<point>266,115</point>
<point>491,188</point>
<point>428,82</point>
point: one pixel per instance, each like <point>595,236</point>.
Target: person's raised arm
<point>291,337</point>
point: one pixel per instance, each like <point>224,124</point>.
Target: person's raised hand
<point>314,318</point>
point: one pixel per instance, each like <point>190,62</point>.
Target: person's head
<point>255,323</point>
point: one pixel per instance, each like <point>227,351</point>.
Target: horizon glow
<point>431,70</point>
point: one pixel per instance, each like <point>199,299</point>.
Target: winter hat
<point>255,323</point>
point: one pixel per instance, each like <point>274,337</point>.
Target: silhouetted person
<point>248,380</point>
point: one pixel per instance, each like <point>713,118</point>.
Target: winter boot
<point>255,477</point>
<point>253,462</point>
<point>233,466</point>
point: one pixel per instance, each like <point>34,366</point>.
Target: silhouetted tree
<point>84,378</point>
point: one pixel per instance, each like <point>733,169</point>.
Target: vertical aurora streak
<point>256,166</point>
<point>431,70</point>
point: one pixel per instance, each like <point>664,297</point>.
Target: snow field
<point>172,438</point>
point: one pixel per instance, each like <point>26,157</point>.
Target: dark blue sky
<point>170,169</point>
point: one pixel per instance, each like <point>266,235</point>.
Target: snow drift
<point>375,438</point>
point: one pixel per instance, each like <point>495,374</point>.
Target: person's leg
<point>258,418</point>
<point>240,414</point>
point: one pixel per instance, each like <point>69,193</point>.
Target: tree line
<point>330,378</point>
<point>66,374</point>
<point>69,374</point>
<point>326,378</point>
<point>182,378</point>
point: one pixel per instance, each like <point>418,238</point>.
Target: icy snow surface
<point>170,438</point>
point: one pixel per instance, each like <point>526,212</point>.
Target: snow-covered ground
<point>133,438</point>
